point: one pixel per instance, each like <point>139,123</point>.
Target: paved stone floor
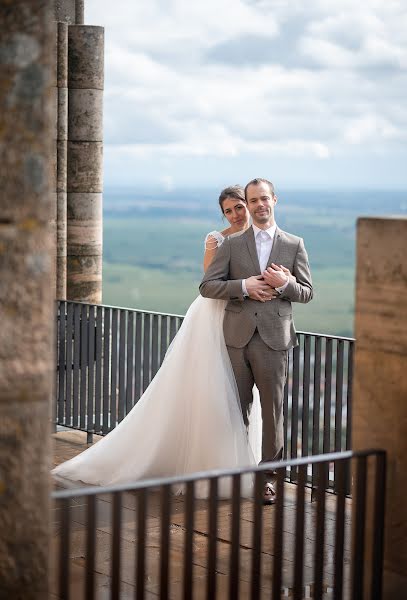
<point>68,444</point>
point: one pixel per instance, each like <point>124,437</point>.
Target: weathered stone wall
<point>80,12</point>
<point>61,150</point>
<point>26,332</point>
<point>85,168</point>
<point>65,11</point>
<point>380,383</point>
<point>52,223</point>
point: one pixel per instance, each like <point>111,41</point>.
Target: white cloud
<point>359,38</point>
<point>370,128</point>
<point>332,79</point>
<point>219,147</point>
<point>171,25</point>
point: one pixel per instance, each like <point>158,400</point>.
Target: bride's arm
<point>211,246</point>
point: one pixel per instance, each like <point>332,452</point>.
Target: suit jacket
<point>236,259</point>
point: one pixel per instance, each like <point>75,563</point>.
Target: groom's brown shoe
<point>269,493</point>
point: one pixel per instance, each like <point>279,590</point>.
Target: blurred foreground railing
<point>139,539</point>
<point>108,356</point>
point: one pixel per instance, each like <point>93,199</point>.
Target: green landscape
<point>153,250</point>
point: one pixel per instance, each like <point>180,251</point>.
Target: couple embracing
<point>232,347</point>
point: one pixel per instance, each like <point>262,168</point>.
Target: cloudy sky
<point>308,93</point>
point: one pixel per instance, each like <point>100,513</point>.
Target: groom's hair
<point>234,191</point>
<point>256,182</point>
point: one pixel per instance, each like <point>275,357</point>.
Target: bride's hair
<point>234,191</point>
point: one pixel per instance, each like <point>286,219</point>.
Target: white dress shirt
<point>264,244</point>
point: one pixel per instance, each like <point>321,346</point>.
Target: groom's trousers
<point>257,363</point>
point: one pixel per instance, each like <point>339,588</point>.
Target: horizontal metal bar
<point>327,336</point>
<point>277,465</point>
<point>152,312</point>
<point>136,310</point>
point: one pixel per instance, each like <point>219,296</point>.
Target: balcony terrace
<point>139,541</point>
<point>142,542</point>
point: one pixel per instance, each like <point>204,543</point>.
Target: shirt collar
<point>271,230</point>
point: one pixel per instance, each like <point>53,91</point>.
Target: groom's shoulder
<point>236,235</point>
<point>289,237</point>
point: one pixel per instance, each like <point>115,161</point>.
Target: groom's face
<point>260,202</point>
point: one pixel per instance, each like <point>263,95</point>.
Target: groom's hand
<point>275,276</point>
<point>258,289</point>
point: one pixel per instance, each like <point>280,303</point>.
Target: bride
<point>189,417</point>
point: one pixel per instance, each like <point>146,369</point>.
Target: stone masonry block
<point>86,57</point>
<point>85,161</point>
<point>85,115</point>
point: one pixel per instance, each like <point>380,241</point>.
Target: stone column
<point>65,11</point>
<point>54,158</point>
<point>62,141</point>
<point>85,148</point>
<point>380,383</point>
<point>80,12</point>
<point>26,297</point>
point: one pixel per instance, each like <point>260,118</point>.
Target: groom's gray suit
<point>258,334</point>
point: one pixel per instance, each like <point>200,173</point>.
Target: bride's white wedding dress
<point>187,420</point>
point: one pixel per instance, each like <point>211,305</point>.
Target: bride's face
<point>236,213</point>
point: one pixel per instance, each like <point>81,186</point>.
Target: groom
<point>258,324</point>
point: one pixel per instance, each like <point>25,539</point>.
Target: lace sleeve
<point>213,240</point>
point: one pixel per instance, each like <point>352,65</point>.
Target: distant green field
<point>149,289</point>
<point>331,310</point>
<point>167,244</point>
<point>156,264</point>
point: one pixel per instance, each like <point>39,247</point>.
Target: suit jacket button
<point>255,314</point>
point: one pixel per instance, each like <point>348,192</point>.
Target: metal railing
<point>233,548</point>
<point>107,357</point>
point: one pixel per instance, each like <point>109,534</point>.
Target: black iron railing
<point>235,548</point>
<point>108,356</point>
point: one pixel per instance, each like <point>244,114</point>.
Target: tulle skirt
<point>188,419</point>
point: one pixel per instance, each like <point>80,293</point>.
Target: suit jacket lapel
<point>275,250</point>
<point>251,246</point>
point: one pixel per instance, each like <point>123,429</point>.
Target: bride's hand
<point>259,290</point>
